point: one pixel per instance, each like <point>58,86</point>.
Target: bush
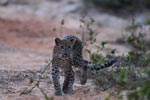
<point>121,4</point>
<point>132,71</point>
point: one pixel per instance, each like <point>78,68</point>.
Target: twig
<point>30,88</point>
<point>36,83</point>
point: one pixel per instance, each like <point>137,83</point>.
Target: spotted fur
<point>67,53</point>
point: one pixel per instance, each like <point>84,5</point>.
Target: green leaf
<point>96,58</point>
<point>147,22</point>
<point>89,51</point>
<point>82,20</point>
<point>103,43</point>
<point>91,20</point>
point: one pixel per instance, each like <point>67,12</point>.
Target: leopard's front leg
<point>55,77</point>
<point>68,82</point>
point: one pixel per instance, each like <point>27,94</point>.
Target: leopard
<point>67,52</point>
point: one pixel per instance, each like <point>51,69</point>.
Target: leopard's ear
<point>72,41</point>
<point>57,41</point>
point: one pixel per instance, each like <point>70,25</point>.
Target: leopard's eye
<point>62,47</point>
<point>69,47</point>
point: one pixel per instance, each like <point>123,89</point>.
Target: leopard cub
<point>67,53</point>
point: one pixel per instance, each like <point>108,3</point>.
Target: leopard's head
<point>64,48</point>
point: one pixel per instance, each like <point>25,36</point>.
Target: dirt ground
<point>27,46</point>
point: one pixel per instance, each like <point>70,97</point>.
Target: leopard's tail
<point>107,64</point>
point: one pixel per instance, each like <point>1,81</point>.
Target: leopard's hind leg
<point>83,78</point>
<point>83,65</point>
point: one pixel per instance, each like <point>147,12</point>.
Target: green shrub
<point>132,70</point>
<point>141,93</point>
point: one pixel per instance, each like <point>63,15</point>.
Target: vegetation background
<point>108,28</point>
